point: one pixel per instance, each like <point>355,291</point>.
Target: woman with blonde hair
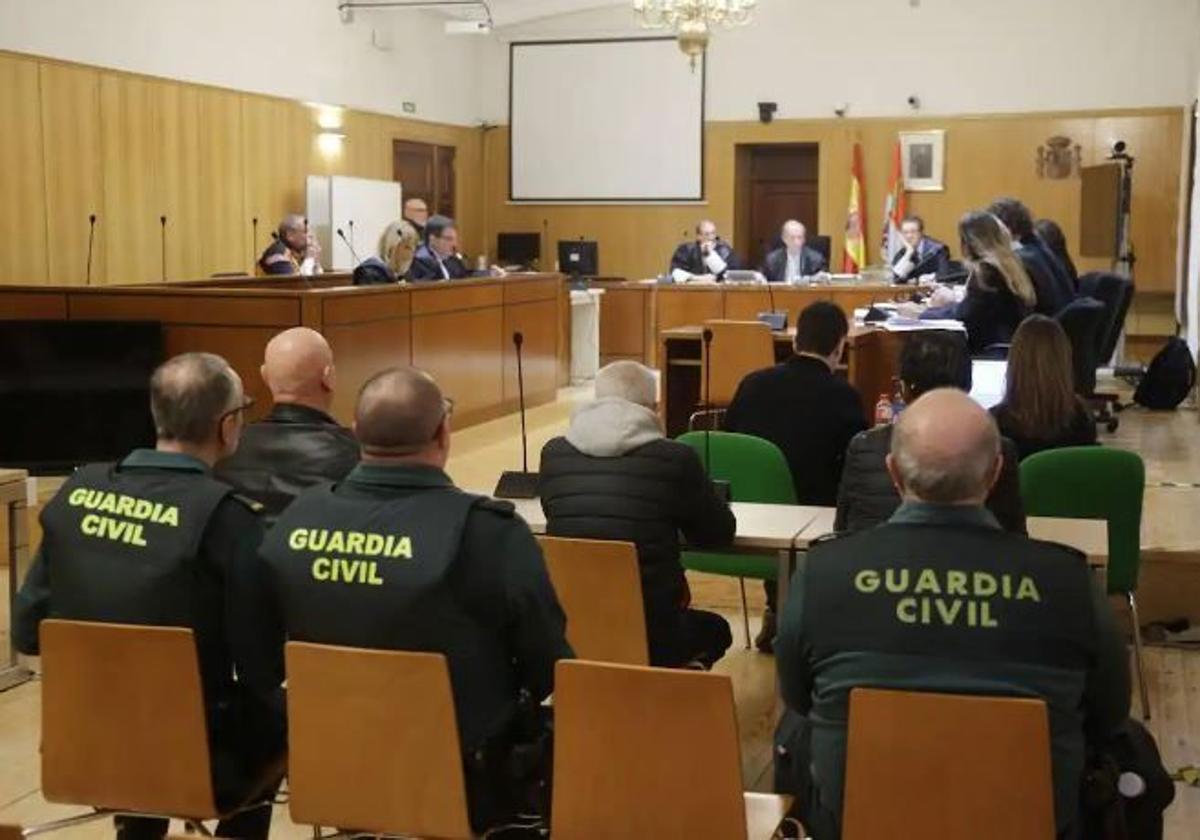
<point>1040,409</point>
<point>999,292</point>
<point>397,246</point>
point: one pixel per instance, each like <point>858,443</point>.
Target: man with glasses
<point>155,540</point>
<point>439,259</point>
<point>397,558</point>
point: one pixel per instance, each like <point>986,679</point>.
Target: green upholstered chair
<point>1093,482</point>
<point>757,472</point>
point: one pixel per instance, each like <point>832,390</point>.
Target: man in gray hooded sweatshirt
<point>615,476</point>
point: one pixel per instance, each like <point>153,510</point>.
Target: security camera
<point>841,109</point>
<point>1118,147</point>
<point>766,111</point>
<point>914,102</point>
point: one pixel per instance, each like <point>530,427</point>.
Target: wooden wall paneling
<point>274,158</point>
<point>225,239</point>
<point>134,198</point>
<point>360,351</point>
<point>623,314</point>
<point>70,100</point>
<point>538,323</point>
<point>22,172</point>
<point>463,352</point>
<point>179,136</point>
<point>20,305</point>
<point>208,309</point>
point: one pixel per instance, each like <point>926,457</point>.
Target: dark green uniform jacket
<point>155,540</point>
<point>396,557</point>
<point>941,599</point>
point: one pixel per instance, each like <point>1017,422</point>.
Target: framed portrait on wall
<point>923,160</point>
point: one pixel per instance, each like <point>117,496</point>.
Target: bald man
<point>298,444</point>
<point>940,598</point>
<point>794,260</point>
<point>421,565</point>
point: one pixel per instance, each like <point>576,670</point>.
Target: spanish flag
<point>894,210</point>
<point>855,259</point>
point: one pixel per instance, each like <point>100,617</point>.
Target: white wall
<point>958,56</point>
<point>298,49</point>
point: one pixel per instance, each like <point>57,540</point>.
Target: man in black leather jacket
<point>298,444</point>
<point>866,496</point>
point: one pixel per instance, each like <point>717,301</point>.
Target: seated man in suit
<point>1050,280</point>
<point>707,257</point>
<point>795,259</point>
<point>1009,616</point>
<point>615,476</point>
<point>438,258</point>
<point>298,444</point>
<point>922,255</point>
<point>294,251</point>
<point>808,411</point>
<point>929,359</point>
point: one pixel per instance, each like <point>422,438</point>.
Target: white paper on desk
<point>680,276</point>
<point>714,262</point>
<point>917,325</point>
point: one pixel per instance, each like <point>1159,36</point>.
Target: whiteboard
<point>361,208</point>
<point>605,121</point>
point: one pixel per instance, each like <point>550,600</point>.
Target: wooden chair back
<point>945,765</point>
<point>738,348</point>
<point>123,722</point>
<point>599,585</point>
<point>645,752</point>
<point>373,742</point>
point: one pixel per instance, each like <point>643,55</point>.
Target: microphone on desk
<point>523,484</point>
<point>163,239</point>
<point>350,246</point>
<point>253,237</point>
<point>777,321</point>
<point>91,241</point>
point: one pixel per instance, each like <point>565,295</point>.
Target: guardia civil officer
<point>156,540</point>
<point>396,557</point>
<point>940,598</point>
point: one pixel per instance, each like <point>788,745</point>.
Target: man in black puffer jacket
<point>866,496</point>
<point>616,477</point>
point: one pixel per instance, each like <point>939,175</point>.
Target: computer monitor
<point>523,249</point>
<point>578,257</point>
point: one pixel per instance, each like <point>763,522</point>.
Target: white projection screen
<point>605,121</point>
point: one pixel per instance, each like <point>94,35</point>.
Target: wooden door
<point>426,171</point>
<point>783,185</point>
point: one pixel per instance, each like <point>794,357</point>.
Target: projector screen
<point>605,121</point>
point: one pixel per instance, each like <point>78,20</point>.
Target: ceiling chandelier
<point>693,20</point>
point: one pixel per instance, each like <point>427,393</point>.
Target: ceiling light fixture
<point>693,20</point>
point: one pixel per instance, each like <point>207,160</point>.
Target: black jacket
<point>989,310</point>
<point>425,266</point>
<point>1080,432</point>
<point>774,267</point>
<point>932,257</point>
<point>647,496</point>
<point>807,411</point>
<point>867,496</point>
<point>688,258</point>
<point>1050,280</point>
<point>292,449</point>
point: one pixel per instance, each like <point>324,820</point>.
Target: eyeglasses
<point>245,406</point>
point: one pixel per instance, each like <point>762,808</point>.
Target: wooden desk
<point>459,331</point>
<point>12,496</point>
<point>872,362</point>
<point>634,314</point>
<point>761,529</point>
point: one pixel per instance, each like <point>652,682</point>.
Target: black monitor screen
<point>578,257</point>
<point>75,392</point>
<point>518,248</point>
